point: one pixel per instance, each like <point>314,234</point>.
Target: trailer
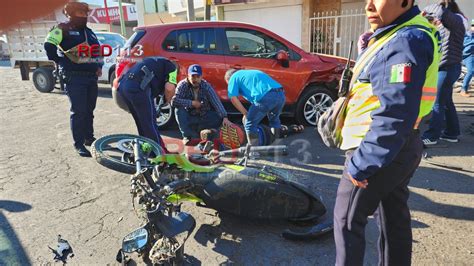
<point>25,43</point>
<point>26,46</point>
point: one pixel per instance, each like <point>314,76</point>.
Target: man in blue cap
<point>197,105</point>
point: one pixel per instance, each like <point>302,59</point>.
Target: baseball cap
<point>195,70</point>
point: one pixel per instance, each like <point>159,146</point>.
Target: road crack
<point>81,203</point>
<point>101,221</point>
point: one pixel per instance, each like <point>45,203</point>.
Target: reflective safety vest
<point>362,101</point>
<point>55,37</point>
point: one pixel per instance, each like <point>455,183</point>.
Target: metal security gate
<point>331,32</point>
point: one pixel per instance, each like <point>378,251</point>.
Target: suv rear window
<point>197,41</point>
<point>252,43</point>
<point>133,40</point>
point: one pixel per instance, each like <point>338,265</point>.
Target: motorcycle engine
<point>164,174</point>
<point>163,251</point>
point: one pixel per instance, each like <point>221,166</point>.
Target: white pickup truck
<point>25,42</point>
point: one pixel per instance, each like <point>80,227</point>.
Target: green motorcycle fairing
<point>183,163</point>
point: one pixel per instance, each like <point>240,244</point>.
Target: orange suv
<point>310,80</point>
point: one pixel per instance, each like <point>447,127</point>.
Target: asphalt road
<point>46,190</point>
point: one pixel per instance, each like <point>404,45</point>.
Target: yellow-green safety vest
<point>362,101</point>
<point>55,37</point>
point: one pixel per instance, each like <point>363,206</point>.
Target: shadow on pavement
<point>240,239</point>
<point>11,251</point>
<point>445,181</point>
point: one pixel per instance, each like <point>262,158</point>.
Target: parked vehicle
<point>116,41</point>
<point>310,80</point>
<point>4,54</point>
<point>26,45</point>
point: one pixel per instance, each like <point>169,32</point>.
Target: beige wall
<point>153,19</point>
<point>284,17</point>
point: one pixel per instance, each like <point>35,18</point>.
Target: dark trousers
<point>191,125</point>
<point>141,105</point>
<point>82,92</point>
<point>386,198</point>
<point>469,63</point>
<point>271,106</point>
<point>444,111</point>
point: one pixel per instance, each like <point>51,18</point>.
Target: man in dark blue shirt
<point>197,105</point>
<point>81,71</point>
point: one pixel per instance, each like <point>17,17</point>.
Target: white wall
<point>284,20</point>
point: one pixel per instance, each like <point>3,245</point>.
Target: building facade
<point>295,19</point>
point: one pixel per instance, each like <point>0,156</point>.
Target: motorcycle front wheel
<point>116,151</point>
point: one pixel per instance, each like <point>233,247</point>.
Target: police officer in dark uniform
<point>140,86</point>
<point>393,89</point>
<point>80,71</point>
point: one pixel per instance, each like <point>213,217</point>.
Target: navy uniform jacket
<point>69,37</point>
<point>160,66</point>
<point>394,121</point>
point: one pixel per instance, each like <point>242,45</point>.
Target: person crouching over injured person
<point>141,85</point>
<point>265,95</point>
<point>197,105</point>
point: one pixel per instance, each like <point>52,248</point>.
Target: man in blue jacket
<point>444,122</point>
<point>383,146</point>
<point>81,71</point>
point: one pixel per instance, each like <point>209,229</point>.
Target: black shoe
<point>89,142</point>
<point>83,152</point>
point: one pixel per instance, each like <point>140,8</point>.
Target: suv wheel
<point>112,78</point>
<point>166,117</point>
<point>313,103</point>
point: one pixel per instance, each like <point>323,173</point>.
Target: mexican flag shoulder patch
<point>400,73</point>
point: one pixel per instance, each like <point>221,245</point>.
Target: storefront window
<point>155,6</point>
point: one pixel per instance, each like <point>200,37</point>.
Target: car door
<point>197,46</point>
<point>252,49</point>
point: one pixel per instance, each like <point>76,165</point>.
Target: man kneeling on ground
<point>197,105</point>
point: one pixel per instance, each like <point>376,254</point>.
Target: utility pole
<point>207,10</point>
<point>107,15</point>
<point>190,11</point>
<point>122,21</point>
